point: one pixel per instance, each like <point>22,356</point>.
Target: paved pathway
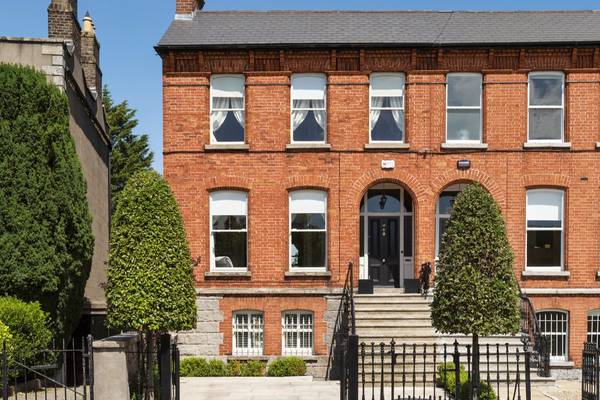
<point>305,388</point>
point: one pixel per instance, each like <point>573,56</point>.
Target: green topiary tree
<point>150,284</point>
<point>46,238</point>
<point>476,292</point>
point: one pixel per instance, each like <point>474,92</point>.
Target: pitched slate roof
<point>384,28</point>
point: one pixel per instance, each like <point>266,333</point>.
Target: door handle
<point>383,260</point>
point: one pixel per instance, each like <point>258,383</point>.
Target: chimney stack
<point>186,7</point>
<point>90,55</point>
<point>62,22</point>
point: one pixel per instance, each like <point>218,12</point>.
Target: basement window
<point>309,115</point>
<point>297,333</point>
<point>546,107</point>
<point>228,230</point>
<point>248,333</point>
<point>227,109</point>
<point>555,326</point>
<point>387,108</point>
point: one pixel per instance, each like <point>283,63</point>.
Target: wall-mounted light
<point>463,164</point>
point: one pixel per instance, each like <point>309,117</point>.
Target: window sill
<point>228,274</point>
<point>307,274</point>
<point>547,145</point>
<point>546,274</point>
<point>308,147</point>
<point>226,147</point>
<point>387,146</point>
<point>598,145</point>
<point>464,146</point>
<point>562,364</point>
<point>247,358</point>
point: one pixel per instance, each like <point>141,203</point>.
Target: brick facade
<point>269,170</point>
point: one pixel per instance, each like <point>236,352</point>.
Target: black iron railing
<point>590,372</point>
<point>533,337</point>
<point>431,371</point>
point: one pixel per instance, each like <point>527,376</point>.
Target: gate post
<point>527,374</point>
<point>165,366</point>
<point>456,357</point>
<point>352,361</point>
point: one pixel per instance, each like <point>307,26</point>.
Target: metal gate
<point>64,371</point>
<point>590,372</point>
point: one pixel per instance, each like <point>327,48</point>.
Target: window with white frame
<point>444,210</point>
<point>593,327</point>
<point>545,229</point>
<point>463,108</point>
<point>308,229</point>
<point>555,326</point>
<point>228,229</point>
<point>297,333</point>
<point>309,116</point>
<point>546,106</point>
<point>248,333</point>
<point>227,109</point>
<point>387,108</point>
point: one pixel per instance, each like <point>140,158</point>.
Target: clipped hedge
<point>28,327</point>
<point>5,337</point>
<point>287,366</point>
<point>446,378</point>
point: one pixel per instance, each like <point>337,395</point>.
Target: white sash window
<point>387,108</point>
<point>308,230</point>
<point>546,107</point>
<point>228,230</point>
<point>463,108</point>
<point>545,230</point>
<point>309,115</point>
<point>227,109</point>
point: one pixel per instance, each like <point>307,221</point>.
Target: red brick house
<point>296,142</point>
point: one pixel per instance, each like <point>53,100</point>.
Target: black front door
<point>384,252</point>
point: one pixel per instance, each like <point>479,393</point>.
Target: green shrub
<point>5,337</point>
<point>486,392</point>
<point>28,326</point>
<point>446,378</point>
<point>193,367</point>
<point>252,368</point>
<point>287,366</point>
<point>217,368</point>
<point>234,368</point>
<point>46,241</point>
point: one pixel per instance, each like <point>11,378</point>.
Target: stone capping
<point>282,291</point>
<point>387,146</point>
<point>227,147</point>
<point>547,145</point>
<point>546,274</point>
<point>562,291</point>
<point>464,146</point>
<point>307,274</point>
<point>308,147</point>
<point>562,364</point>
<point>116,342</point>
<point>228,274</point>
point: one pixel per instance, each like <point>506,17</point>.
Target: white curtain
<point>320,117</point>
<point>376,102</point>
<point>220,104</point>
<point>298,116</point>
<point>238,104</point>
<point>397,112</point>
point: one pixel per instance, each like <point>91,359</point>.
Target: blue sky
<point>128,30</point>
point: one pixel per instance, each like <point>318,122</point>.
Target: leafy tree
<point>130,152</point>
<point>476,292</point>
<point>46,238</point>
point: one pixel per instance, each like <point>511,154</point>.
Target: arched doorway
<point>386,235</point>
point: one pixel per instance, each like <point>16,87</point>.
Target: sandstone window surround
<point>554,325</point>
<point>386,122</point>
<point>545,230</point>
<point>248,333</point>
<point>464,108</point>
<point>546,111</point>
<point>228,231</point>
<point>297,332</point>
<point>227,109</point>
<point>308,230</point>
<point>309,109</point>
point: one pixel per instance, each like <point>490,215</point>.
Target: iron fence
<point>590,372</point>
<point>64,371</point>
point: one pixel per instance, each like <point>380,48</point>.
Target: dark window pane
<point>362,236</point>
<point>386,128</point>
<point>230,131</point>
<point>384,200</point>
<point>447,202</point>
<point>464,125</point>
<point>229,222</point>
<point>442,229</point>
<point>545,124</point>
<point>308,249</point>
<point>544,248</point>
<point>544,224</point>
<point>464,90</point>
<point>545,91</point>
<point>230,249</point>
<point>309,130</point>
<point>308,221</point>
<point>408,202</point>
<point>408,236</point>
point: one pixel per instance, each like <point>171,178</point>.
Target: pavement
<point>305,388</point>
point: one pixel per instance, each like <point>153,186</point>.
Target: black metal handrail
<point>533,335</point>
